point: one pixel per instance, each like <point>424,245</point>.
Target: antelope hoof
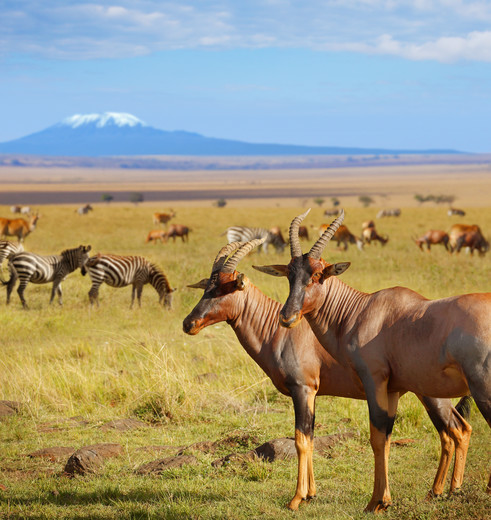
<point>296,501</point>
<point>377,506</point>
<point>432,495</point>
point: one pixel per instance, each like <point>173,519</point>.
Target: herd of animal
<point>374,347</point>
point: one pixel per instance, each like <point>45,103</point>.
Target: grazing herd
<point>373,347</point>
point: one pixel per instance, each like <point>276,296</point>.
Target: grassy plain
<point>75,368</point>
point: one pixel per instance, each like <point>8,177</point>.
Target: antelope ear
<point>200,285</point>
<point>336,269</point>
<point>273,270</point>
<point>240,281</point>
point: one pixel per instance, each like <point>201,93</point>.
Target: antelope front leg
<point>382,407</point>
<point>304,405</point>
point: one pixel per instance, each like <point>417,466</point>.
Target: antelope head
<point>305,272</point>
<point>218,301</point>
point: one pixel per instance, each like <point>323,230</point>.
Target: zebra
<point>84,210</point>
<point>7,249</point>
<point>246,234</point>
<point>39,269</point>
<point>121,271</point>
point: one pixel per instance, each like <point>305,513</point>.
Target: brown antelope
<point>17,227</point>
<point>432,238</point>
<point>300,367</point>
<point>15,209</point>
<point>459,230</point>
<point>154,235</point>
<point>303,233</point>
<point>394,340</point>
<point>474,241</point>
<point>370,235</point>
<point>163,218</point>
<point>84,210</point>
<point>343,236</point>
<point>177,230</point>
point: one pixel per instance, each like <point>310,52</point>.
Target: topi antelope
<point>300,367</point>
<point>431,238</point>
<point>343,236</point>
<point>394,340</point>
<point>163,218</point>
<point>369,235</point>
<point>472,235</point>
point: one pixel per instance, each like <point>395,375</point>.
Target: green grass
<point>110,362</point>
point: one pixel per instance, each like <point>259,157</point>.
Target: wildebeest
<point>393,340</point>
<point>394,212</point>
<point>433,237</point>
<point>17,227</point>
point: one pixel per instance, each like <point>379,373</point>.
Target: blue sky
<point>384,73</point>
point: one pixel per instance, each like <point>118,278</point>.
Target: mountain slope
<point>109,134</point>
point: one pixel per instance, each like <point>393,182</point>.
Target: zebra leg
<point>133,291</point>
<point>56,290</point>
<point>139,291</point>
<point>11,283</point>
<point>94,294</point>
<point>20,292</point>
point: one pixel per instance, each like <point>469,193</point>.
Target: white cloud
<point>475,46</point>
<point>442,30</point>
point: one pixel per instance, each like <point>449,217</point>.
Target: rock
<point>89,458</point>
<point>157,467</point>
<point>124,425</point>
<point>277,449</point>
<point>9,408</point>
<point>54,453</point>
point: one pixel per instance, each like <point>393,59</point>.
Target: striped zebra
<point>8,248</point>
<point>39,269</point>
<point>121,271</point>
<point>246,234</point>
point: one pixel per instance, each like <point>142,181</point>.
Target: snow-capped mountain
<point>102,120</point>
<point>119,134</point>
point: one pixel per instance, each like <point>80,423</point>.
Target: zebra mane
<point>155,270</point>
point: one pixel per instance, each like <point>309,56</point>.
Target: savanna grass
<point>74,368</point>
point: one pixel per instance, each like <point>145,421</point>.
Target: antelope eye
<point>316,276</point>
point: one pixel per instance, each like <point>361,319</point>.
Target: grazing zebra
<point>120,271</point>
<point>39,269</point>
<point>246,234</point>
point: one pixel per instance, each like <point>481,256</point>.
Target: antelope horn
<point>224,253</point>
<point>295,247</point>
<point>321,243</point>
<point>231,263</point>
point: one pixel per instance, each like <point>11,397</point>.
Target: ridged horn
<point>231,263</point>
<point>318,247</point>
<point>224,253</point>
<point>295,247</point>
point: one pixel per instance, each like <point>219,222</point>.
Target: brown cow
<point>17,227</point>
<point>155,235</point>
<point>177,230</point>
<point>393,340</point>
<point>432,238</point>
<point>299,366</point>
<point>163,218</point>
<point>343,236</point>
